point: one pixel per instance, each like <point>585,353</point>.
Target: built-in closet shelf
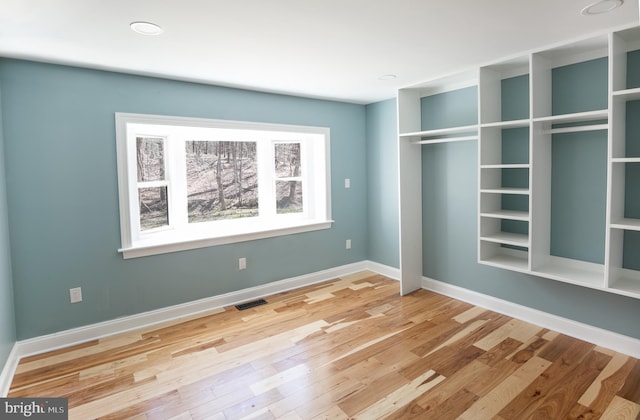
<point>507,124</point>
<point>576,129</point>
<point>507,238</point>
<point>444,140</point>
<point>627,94</point>
<point>523,150</point>
<point>626,224</point>
<point>509,259</point>
<point>507,214</point>
<point>571,271</point>
<point>626,282</point>
<point>521,191</point>
<point>443,135</point>
<point>506,166</point>
<point>577,117</point>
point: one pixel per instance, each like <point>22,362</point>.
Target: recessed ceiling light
<point>600,7</point>
<point>146,28</point>
<point>387,77</point>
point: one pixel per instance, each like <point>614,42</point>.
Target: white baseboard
<point>9,369</point>
<point>86,333</point>
<point>385,270</point>
<point>611,340</point>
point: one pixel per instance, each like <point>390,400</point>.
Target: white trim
<point>9,369</point>
<point>611,340</point>
<point>79,335</point>
<point>385,270</point>
<point>166,247</point>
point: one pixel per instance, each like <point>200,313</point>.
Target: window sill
<point>167,246</point>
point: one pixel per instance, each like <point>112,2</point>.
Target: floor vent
<point>251,304</point>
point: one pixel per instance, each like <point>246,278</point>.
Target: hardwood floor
<point>347,348</point>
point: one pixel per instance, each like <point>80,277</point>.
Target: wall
<point>7,319</point>
<point>382,183</point>
<point>63,199</point>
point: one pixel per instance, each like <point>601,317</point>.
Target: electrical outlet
<point>242,263</point>
<point>75,295</point>
<point>348,244</point>
<point>347,183</point>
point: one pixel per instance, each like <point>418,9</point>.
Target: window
<point>187,183</point>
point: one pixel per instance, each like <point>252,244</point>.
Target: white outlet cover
<point>75,295</point>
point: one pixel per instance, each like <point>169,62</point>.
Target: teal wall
<point>457,108</point>
<point>7,321</point>
<point>580,87</point>
<point>633,64</point>
<point>579,165</point>
<point>382,183</point>
<point>63,199</point>
<point>579,195</point>
<point>514,97</point>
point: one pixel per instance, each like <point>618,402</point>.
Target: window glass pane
<point>287,160</point>
<point>222,180</point>
<point>289,197</point>
<point>150,157</point>
<point>154,208</point>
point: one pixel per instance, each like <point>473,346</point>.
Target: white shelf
<point>572,271</point>
<point>442,131</point>
<point>520,191</point>
<point>507,124</point>
<point>626,224</point>
<point>507,214</point>
<point>506,166</point>
<point>443,135</point>
<point>626,282</point>
<point>511,259</point>
<point>445,140</point>
<point>602,114</point>
<point>628,94</point>
<point>507,238</point>
<point>577,129</point>
<point>626,160</point>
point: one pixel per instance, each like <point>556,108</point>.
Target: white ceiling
<point>335,49</point>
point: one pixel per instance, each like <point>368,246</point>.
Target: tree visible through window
<point>152,188</point>
<point>222,180</point>
<point>288,169</point>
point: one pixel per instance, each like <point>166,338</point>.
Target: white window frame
<point>180,235</point>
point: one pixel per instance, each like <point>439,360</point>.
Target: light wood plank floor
<point>347,348</point>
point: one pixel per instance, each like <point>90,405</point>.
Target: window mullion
<point>266,179</point>
<point>308,190</point>
<point>132,169</point>
<point>178,218</point>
